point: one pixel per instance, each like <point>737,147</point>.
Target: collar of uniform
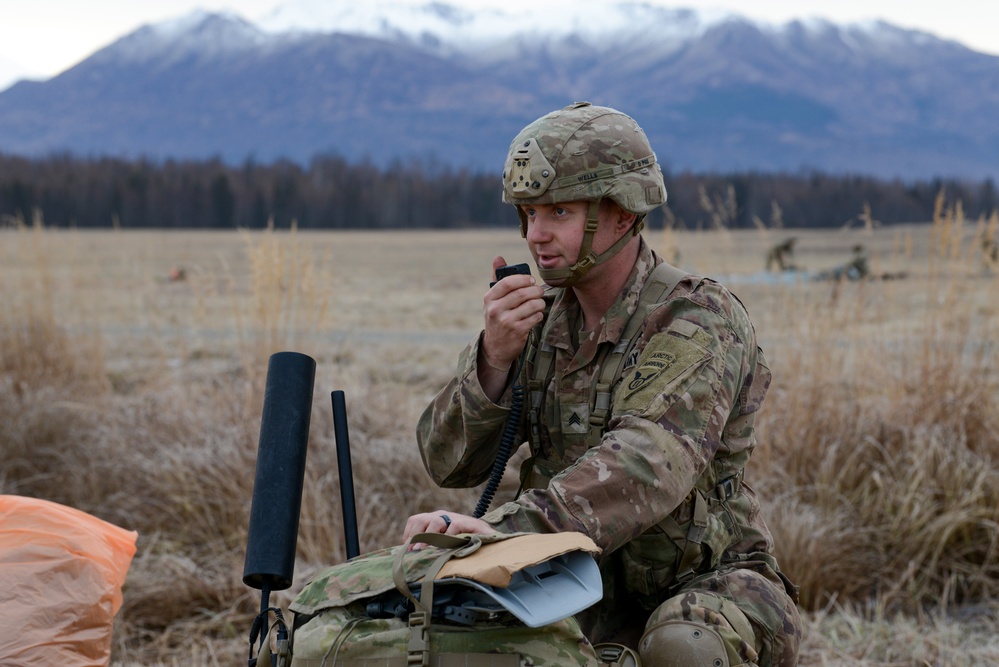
<point>620,312</point>
<point>565,309</point>
<point>563,314</point>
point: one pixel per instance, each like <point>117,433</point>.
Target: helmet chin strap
<point>587,259</point>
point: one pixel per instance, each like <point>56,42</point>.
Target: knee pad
<point>682,644</point>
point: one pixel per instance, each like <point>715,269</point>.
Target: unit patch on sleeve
<point>652,365</point>
<point>664,363</point>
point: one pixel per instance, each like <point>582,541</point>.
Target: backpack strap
<point>689,541</point>
<point>544,360</point>
<point>663,280</point>
<point>419,619</point>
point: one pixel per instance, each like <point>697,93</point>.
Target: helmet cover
<point>584,152</point>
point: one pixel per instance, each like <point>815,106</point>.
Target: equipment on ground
<point>277,489</point>
<point>526,611</point>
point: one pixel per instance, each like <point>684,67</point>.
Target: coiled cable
<point>507,441</point>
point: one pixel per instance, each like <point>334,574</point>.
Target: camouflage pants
<point>747,603</point>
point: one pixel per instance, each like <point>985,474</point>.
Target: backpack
<point>398,607</point>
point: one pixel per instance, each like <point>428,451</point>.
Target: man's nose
<point>537,230</point>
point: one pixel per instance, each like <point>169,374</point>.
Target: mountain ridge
<point>730,95</point>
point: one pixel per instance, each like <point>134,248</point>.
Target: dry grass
<point>138,398</point>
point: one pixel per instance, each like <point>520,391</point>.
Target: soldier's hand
<point>511,308</point>
<point>443,521</point>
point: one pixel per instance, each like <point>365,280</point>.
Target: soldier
<point>990,253</point>
<point>781,256</point>
<point>643,383</point>
<point>857,268</point>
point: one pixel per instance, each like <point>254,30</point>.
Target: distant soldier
<point>781,255</point>
<point>857,268</point>
<point>990,253</point>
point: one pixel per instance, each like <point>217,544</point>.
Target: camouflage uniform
<point>660,489</point>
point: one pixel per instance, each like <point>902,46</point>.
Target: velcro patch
<point>664,362</point>
<point>652,365</point>
<point>631,360</point>
<point>575,417</point>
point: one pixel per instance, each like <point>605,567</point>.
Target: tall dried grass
<point>884,435</point>
<point>877,444</point>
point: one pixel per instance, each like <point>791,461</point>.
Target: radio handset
<point>510,270</point>
<point>513,418</point>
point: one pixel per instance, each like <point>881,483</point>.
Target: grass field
<point>132,367</point>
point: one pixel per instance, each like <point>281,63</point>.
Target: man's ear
<point>625,219</point>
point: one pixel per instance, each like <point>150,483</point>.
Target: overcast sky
<point>40,38</point>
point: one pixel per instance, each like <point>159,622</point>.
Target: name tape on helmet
<point>607,172</point>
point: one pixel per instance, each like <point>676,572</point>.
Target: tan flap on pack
<point>495,563</point>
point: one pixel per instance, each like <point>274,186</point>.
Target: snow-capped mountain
<point>488,33</point>
<point>385,80</point>
<point>10,72</point>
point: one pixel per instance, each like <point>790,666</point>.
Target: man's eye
<point>560,211</point>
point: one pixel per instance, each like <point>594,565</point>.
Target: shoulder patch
<point>663,364</point>
<point>652,366</point>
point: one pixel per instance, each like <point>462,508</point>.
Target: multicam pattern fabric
<point>360,578</point>
<point>382,643</point>
<point>334,623</point>
<point>565,156</point>
<point>661,490</point>
<point>739,601</point>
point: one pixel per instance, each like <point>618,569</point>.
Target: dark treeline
<point>331,193</point>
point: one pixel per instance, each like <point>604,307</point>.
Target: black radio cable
<point>507,441</point>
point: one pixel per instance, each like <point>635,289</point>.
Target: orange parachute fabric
<point>61,573</point>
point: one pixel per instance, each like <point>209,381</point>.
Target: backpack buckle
<point>728,487</point>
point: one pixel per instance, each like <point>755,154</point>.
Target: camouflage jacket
<point>663,482</point>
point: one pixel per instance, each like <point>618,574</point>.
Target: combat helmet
<point>584,153</point>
